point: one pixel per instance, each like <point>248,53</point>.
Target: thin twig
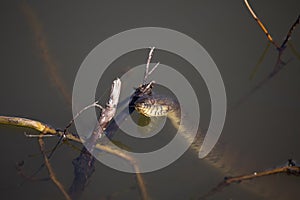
<point>291,168</point>
<point>255,69</point>
<point>152,70</point>
<point>95,104</point>
<point>148,64</point>
<point>36,136</point>
<point>289,34</point>
<point>280,48</point>
<point>19,167</point>
<point>261,25</point>
<point>51,171</point>
<point>279,63</point>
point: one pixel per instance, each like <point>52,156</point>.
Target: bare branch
<point>152,70</point>
<point>289,34</point>
<point>36,136</point>
<point>148,64</point>
<point>51,171</point>
<point>95,104</point>
<point>279,62</point>
<point>106,115</point>
<point>291,168</point>
<point>28,123</point>
<point>261,25</point>
<point>19,167</point>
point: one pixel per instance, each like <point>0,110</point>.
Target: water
<point>261,133</point>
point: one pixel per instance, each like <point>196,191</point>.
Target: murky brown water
<point>262,133</point>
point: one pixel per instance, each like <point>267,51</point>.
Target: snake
<point>220,157</point>
<point>164,106</point>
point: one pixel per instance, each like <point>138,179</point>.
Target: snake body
<point>220,157</point>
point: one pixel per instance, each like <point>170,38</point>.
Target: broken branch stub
<point>106,115</point>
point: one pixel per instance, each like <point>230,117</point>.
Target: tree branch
<point>291,168</point>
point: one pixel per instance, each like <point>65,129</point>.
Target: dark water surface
<point>262,133</point>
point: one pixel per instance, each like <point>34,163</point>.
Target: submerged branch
<point>42,45</point>
<point>106,116</point>
<point>51,171</point>
<point>46,129</point>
